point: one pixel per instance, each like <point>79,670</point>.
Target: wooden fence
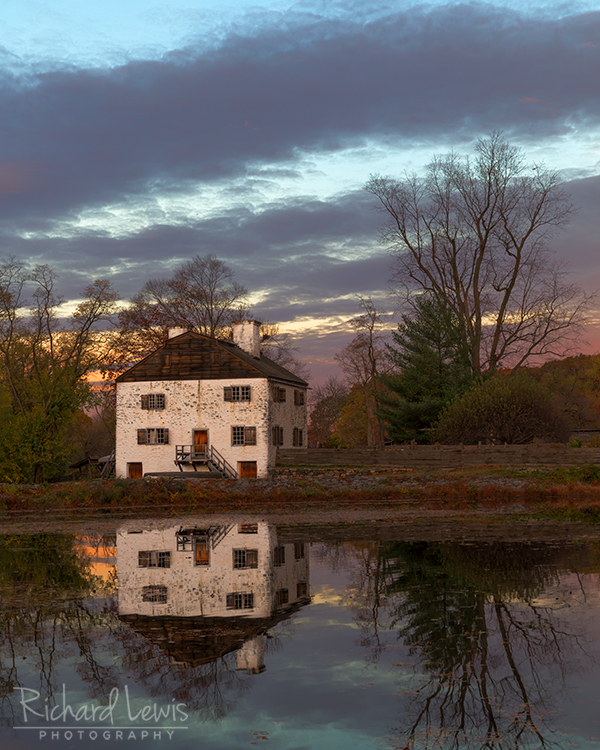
<point>443,456</point>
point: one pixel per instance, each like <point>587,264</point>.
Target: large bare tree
<point>201,294</point>
<point>474,234</point>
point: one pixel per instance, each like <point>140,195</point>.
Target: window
<point>299,550</point>
<point>153,401</point>
<point>157,594</point>
<point>153,436</point>
<point>154,559</point>
<point>299,398</point>
<point>301,589</point>
<point>243,436</point>
<point>277,435</point>
<point>298,438</point>
<point>240,601</point>
<point>245,558</point>
<point>236,393</point>
<point>282,596</point>
<point>279,556</point>
<point>279,395</point>
<point>248,528</point>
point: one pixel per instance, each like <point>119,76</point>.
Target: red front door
<point>200,442</point>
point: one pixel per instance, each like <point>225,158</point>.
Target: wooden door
<point>247,469</point>
<point>134,471</point>
<point>200,442</point>
<point>202,552</point>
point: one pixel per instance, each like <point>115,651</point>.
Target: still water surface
<point>219,635</point>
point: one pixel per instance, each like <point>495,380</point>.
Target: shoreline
<point>532,502</point>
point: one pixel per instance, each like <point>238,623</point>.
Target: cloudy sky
<point>136,134</point>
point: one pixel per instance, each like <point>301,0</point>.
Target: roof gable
<point>193,356</point>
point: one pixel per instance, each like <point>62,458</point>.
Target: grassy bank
<point>571,494</point>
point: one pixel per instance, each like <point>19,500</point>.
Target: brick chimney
<point>246,335</point>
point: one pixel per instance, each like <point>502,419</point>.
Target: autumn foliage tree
<point>44,359</point>
<point>326,403</point>
<point>364,361</point>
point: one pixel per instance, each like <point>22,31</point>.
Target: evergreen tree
<point>431,359</point>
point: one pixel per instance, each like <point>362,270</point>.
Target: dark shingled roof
<point>193,356</point>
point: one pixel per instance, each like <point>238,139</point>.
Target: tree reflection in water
<point>54,609</point>
<point>493,653</point>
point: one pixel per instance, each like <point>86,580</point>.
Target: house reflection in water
<point>202,591</point>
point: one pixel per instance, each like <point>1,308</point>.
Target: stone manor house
<point>198,404</point>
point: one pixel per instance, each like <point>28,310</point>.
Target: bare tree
<point>474,235</point>
<point>279,347</point>
<point>202,295</point>
<point>364,360</point>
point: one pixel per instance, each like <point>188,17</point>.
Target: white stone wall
<point>199,590</point>
<point>219,416</point>
<point>180,416</point>
<point>288,416</point>
<point>194,404</point>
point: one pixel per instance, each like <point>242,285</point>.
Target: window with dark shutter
<point>237,393</point>
<point>279,395</point>
<point>245,558</point>
<point>299,398</point>
<point>248,528</point>
<point>241,600</point>
<point>153,401</point>
<point>243,435</point>
<point>301,589</point>
<point>153,436</point>
<point>154,559</point>
<point>157,594</point>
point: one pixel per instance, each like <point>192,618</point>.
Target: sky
<point>137,134</point>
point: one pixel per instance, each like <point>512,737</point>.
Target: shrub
<point>511,407</point>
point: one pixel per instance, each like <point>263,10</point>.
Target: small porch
<point>203,458</point>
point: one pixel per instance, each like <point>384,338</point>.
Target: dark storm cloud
<point>72,138</point>
<point>257,109</point>
<point>311,252</point>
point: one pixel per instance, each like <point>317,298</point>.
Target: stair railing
<point>222,464</point>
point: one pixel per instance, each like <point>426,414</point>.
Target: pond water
<point>231,634</point>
